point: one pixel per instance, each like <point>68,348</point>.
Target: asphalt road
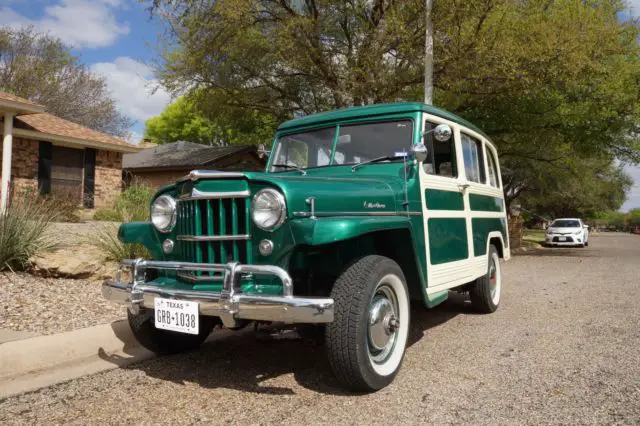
<point>562,348</point>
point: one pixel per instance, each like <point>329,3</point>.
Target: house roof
<point>67,131</point>
<point>18,105</point>
<point>180,154</point>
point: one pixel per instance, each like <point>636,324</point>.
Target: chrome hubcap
<point>383,323</point>
<point>493,278</point>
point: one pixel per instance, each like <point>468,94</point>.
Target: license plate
<point>562,238</point>
<point>177,315</point>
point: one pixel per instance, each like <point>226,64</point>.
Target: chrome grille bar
<point>213,237</point>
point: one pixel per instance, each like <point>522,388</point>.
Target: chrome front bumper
<point>229,304</point>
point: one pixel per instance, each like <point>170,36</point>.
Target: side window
<point>493,169</point>
<point>441,157</point>
<point>472,156</point>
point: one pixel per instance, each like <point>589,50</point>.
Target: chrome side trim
<point>209,174</point>
<point>329,214</point>
<point>203,195</point>
<point>213,237</point>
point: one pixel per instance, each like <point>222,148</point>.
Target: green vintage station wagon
<point>358,212</point>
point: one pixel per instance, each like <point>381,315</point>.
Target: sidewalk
<point>28,363</point>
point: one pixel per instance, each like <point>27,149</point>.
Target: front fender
<point>142,233</point>
<point>332,229</point>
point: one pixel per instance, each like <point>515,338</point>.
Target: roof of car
<point>372,110</point>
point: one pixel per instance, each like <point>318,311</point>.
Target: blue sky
<point>116,39</point>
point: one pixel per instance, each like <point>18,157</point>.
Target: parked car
<point>635,230</point>
<point>567,232</point>
<point>359,211</point>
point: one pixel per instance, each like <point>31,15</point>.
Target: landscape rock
<point>78,262</point>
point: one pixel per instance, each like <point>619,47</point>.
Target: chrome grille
<point>213,230</point>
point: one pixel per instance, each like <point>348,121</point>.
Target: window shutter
<point>89,177</point>
<point>44,167</point>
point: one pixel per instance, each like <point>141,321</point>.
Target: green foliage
<point>633,217</point>
<point>553,84</point>
<point>573,186</point>
<point>23,231</point>
<point>199,118</point>
<point>106,240</point>
<point>132,204</point>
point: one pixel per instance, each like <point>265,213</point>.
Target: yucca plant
<point>131,205</point>
<point>24,231</point>
<point>106,240</point>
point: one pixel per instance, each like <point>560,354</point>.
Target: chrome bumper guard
<point>229,304</point>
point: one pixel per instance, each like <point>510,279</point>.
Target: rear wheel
<point>367,339</point>
<point>486,291</point>
<point>164,342</point>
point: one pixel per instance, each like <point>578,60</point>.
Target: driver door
<point>445,210</point>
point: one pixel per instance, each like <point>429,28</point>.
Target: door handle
<point>463,186</point>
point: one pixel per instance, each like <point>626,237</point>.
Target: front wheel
<point>165,342</point>
<point>367,339</point>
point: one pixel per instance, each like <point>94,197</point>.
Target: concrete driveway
<point>563,348</point>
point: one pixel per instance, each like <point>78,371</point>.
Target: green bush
<point>132,204</point>
<point>106,240</point>
<point>23,231</point>
<point>107,215</point>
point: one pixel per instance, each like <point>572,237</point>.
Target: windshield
<point>356,143</point>
<point>566,223</point>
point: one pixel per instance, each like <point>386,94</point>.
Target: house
<point>164,164</point>
<point>50,155</point>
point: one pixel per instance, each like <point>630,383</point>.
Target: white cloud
<point>132,84</point>
<point>634,6</point>
<point>81,23</point>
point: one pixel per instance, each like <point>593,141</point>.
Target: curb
<point>34,363</point>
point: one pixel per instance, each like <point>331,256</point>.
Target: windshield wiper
<point>289,166</point>
<point>376,160</point>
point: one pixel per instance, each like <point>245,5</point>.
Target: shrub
<point>132,204</point>
<point>23,231</point>
<point>106,240</point>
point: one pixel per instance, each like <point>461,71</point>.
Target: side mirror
<point>419,151</point>
<point>442,132</point>
<point>262,151</point>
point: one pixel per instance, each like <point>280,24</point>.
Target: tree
<point>549,82</point>
<point>199,118</point>
<point>42,68</point>
<point>633,217</point>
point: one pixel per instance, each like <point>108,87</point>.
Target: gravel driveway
<point>563,348</point>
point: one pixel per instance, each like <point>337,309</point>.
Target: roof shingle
<point>47,123</point>
<point>13,98</point>
<point>180,154</point>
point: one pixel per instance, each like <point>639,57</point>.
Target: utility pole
<point>428,55</point>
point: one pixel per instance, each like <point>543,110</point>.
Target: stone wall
<point>108,180</point>
<point>24,165</point>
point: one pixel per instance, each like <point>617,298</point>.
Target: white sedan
<point>567,232</point>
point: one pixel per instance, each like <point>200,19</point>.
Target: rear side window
<point>472,156</point>
<point>493,169</point>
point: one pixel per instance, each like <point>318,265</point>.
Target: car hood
<point>337,194</point>
<point>335,190</point>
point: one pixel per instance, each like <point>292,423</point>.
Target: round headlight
<point>268,209</point>
<point>163,213</point>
